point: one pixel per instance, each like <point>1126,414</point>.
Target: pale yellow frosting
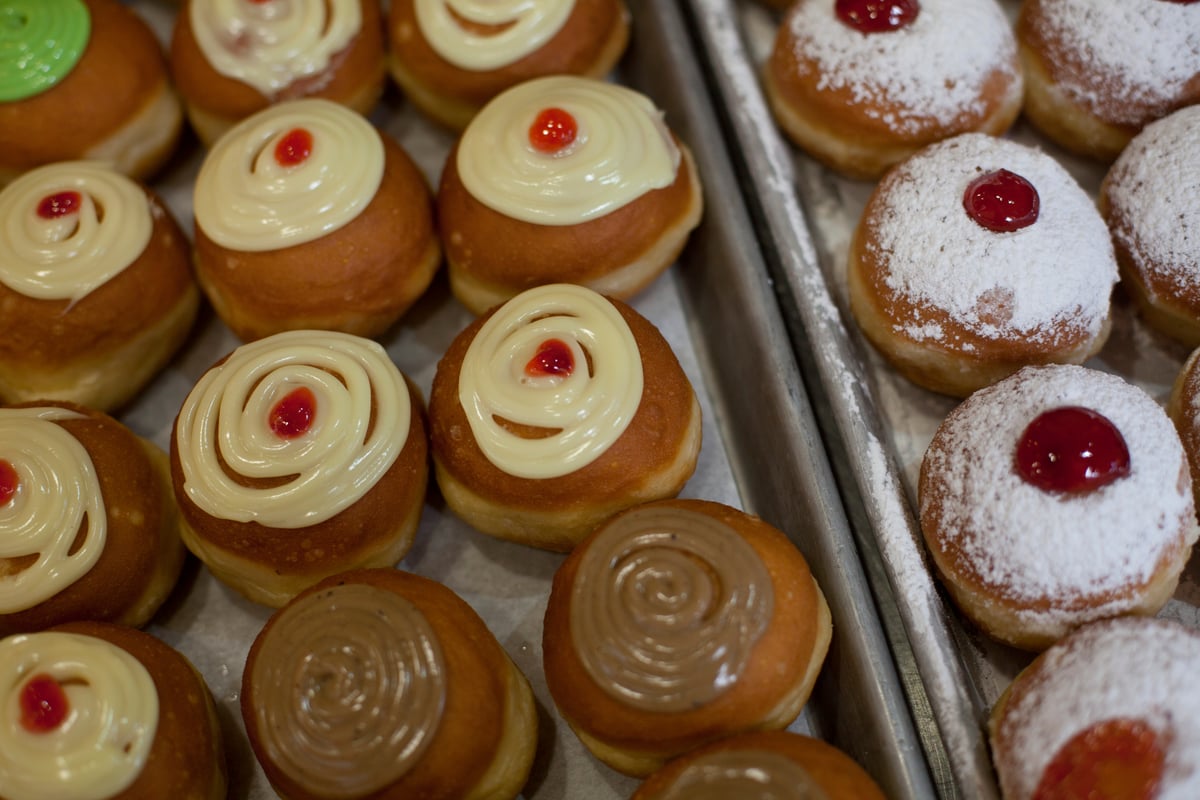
<point>67,257</point>
<point>519,28</point>
<point>245,199</point>
<point>58,493</point>
<point>103,743</point>
<point>622,150</point>
<point>271,45</point>
<point>589,409</point>
<point>361,423</point>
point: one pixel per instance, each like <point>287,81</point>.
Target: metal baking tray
<point>761,452</point>
<point>876,423</point>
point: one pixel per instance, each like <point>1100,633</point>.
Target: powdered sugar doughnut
<point>1184,410</point>
<point>860,91</point>
<point>1117,698</point>
<point>1056,497</point>
<point>1149,201</point>
<point>976,257</point>
<point>1098,71</point>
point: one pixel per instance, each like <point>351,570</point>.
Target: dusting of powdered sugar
<point>1130,668</point>
<point>1153,190</point>
<point>1028,544</point>
<point>1137,56</point>
<point>1029,284</point>
<point>934,68</point>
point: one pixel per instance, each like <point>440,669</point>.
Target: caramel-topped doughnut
<point>1098,71</point>
<point>978,256</point>
<point>89,529</point>
<point>309,217</point>
<point>861,90</point>
<point>565,179</point>
<point>231,59</point>
<point>386,685</point>
<point>96,286</point>
<point>677,623</point>
<point>97,711</point>
<point>1148,200</point>
<point>1055,497</point>
<point>1112,710</point>
<point>83,79</point>
<point>554,411</point>
<point>298,456</point>
<point>452,56</point>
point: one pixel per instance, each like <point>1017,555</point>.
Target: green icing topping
<point>40,42</point>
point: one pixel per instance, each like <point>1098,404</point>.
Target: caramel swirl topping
<point>667,606</point>
<point>349,684</point>
<point>745,774</point>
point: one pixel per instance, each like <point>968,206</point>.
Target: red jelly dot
<point>1117,758</point>
<point>1073,450</point>
<point>294,147</point>
<point>553,130</point>
<point>292,416</point>
<point>44,704</point>
<point>553,357</point>
<point>59,205</point>
<point>877,16</point>
<point>9,481</point>
<point>1002,201</point>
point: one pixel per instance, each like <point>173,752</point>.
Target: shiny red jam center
<point>9,481</point>
<point>294,147</point>
<point>553,130</point>
<point>44,704</point>
<point>1073,450</point>
<point>293,414</point>
<point>553,357</point>
<point>1002,201</point>
<point>59,204</point>
<point>1117,758</point>
<point>877,16</point>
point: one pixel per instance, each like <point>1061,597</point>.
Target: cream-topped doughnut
<point>95,283</point>
<point>862,85</point>
<point>452,56</point>
<point>298,456</point>
<point>1058,496</point>
<point>1097,72</point>
<point>581,181</point>
<point>309,217</point>
<point>555,410</point>
<point>976,257</point>
<point>1115,704</point>
<point>232,58</point>
<point>677,623</point>
<point>1147,200</point>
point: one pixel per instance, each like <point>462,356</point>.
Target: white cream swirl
<point>103,743</point>
<point>245,199</point>
<point>587,409</point>
<point>519,27</point>
<point>622,150</point>
<point>66,257</point>
<point>57,497</point>
<point>271,45</point>
<point>362,412</point>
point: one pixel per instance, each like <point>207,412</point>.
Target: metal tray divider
<point>889,538</point>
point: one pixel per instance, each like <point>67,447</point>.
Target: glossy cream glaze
<point>516,28</point>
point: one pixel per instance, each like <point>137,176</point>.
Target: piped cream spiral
<point>518,28</point>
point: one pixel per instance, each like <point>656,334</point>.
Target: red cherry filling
<point>59,204</point>
<point>553,357</point>
<point>1117,758</point>
<point>10,481</point>
<point>553,130</point>
<point>877,16</point>
<point>44,704</point>
<point>294,147</point>
<point>1073,450</point>
<point>1002,201</point>
<point>293,414</point>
